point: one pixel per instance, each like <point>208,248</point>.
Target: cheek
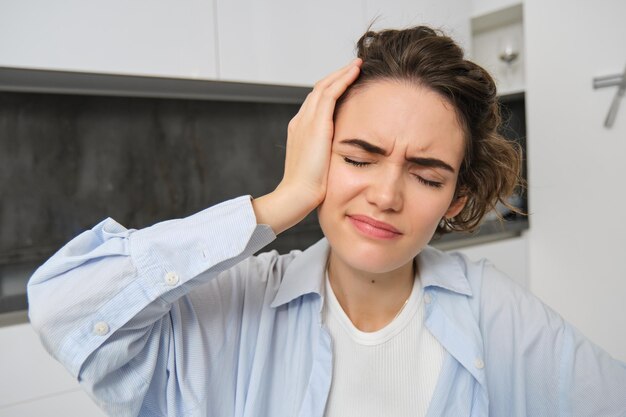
<point>343,185</point>
<point>427,207</point>
<point>437,203</point>
<point>343,181</point>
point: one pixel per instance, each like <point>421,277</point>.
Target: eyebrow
<point>371,148</point>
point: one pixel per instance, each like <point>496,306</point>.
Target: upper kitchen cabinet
<point>286,42</point>
<point>452,16</point>
<point>268,43</point>
<point>296,43</point>
<point>139,37</point>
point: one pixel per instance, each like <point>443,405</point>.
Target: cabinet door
<point>286,42</point>
<point>452,16</point>
<point>139,37</point>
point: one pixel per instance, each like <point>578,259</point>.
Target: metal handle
<point>610,118</point>
<point>610,81</point>
<point>607,81</point>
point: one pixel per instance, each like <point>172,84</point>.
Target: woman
<point>179,319</point>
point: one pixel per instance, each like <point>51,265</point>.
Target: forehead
<point>405,117</point>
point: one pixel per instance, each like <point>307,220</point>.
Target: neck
<point>370,300</point>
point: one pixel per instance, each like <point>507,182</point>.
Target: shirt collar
<point>305,274</point>
<point>440,269</point>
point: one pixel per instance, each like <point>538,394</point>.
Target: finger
<point>308,108</point>
<point>332,77</point>
<point>311,99</point>
<point>325,106</point>
<point>334,84</point>
<point>306,104</point>
<point>341,84</point>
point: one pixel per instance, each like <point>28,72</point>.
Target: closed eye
<point>429,183</point>
<point>423,180</point>
<point>355,163</point>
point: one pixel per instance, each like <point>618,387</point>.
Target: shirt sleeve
<point>102,304</point>
<point>592,383</point>
<point>538,363</point>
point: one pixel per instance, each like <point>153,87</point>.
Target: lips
<point>374,228</point>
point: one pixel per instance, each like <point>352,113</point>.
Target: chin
<point>370,256</point>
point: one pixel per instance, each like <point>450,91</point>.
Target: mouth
<point>373,228</point>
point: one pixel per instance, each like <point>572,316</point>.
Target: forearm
<point>109,274</point>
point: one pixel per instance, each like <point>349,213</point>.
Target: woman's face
<point>396,154</point>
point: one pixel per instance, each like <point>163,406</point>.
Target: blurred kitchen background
<point>149,110</point>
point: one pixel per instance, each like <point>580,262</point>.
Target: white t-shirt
<point>390,372</point>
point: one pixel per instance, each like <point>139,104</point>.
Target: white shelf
<point>494,32</point>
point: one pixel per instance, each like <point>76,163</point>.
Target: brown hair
<point>490,169</point>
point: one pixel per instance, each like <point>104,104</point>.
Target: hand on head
<point>309,142</point>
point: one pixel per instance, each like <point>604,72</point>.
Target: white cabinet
<point>271,42</point>
<point>452,16</point>
<point>286,42</point>
<point>139,37</point>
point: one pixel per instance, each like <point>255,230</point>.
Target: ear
<point>455,207</point>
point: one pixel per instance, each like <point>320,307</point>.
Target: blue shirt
<point>179,319</point>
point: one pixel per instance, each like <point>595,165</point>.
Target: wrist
<point>283,208</point>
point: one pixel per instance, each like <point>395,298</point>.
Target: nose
<point>386,189</point>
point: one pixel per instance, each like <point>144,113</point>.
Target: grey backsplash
<point>69,161</point>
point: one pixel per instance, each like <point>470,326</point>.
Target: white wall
<point>577,240</point>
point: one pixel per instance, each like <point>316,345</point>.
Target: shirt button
<point>101,328</point>
<point>171,278</point>
<point>479,364</point>
<point>427,299</point>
